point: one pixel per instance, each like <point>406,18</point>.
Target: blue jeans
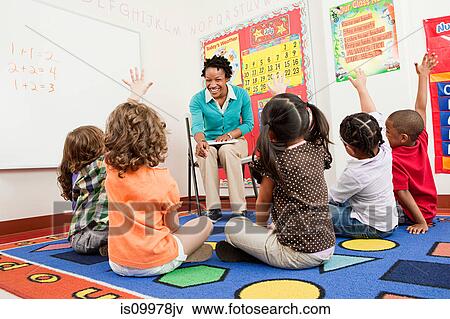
<point>403,219</point>
<point>346,226</point>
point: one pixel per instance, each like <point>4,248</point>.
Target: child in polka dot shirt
<point>293,148</point>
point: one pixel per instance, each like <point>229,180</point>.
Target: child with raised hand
<point>145,237</point>
<point>362,202</point>
<point>414,185</point>
<point>293,148</point>
<point>81,176</point>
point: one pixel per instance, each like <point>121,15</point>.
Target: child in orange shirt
<point>145,238</point>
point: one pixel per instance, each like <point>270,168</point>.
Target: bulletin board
<point>438,41</point>
<point>277,43</point>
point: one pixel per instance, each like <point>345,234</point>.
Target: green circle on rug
<point>368,244</point>
<point>281,289</point>
<point>193,276</point>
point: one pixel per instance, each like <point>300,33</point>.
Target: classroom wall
<point>236,11</point>
<point>171,57</point>
<point>393,91</point>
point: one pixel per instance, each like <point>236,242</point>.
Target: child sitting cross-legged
<point>145,237</point>
<point>414,185</point>
<point>362,202</point>
<point>293,147</point>
<point>81,176</point>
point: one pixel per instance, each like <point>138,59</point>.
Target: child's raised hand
<point>278,85</point>
<point>427,65</point>
<point>138,86</point>
<point>359,82</point>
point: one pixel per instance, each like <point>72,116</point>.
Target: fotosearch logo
<point>442,27</point>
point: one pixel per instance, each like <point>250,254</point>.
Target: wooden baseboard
<point>53,221</point>
<point>444,202</point>
<point>61,221</point>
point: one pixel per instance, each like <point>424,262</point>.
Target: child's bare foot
<point>202,254</point>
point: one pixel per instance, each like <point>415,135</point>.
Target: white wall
<point>171,57</point>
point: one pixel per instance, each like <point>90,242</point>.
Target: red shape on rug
<point>27,280</point>
<point>441,250</point>
<point>54,247</point>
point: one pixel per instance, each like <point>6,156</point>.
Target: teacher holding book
<point>221,113</point>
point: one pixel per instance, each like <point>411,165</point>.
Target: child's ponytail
<point>268,154</point>
<point>288,118</point>
<point>319,131</point>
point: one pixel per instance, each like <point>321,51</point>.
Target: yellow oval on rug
<point>368,244</point>
<point>281,289</point>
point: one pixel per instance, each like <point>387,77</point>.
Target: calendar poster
<point>271,45</point>
<point>364,36</point>
<point>438,41</point>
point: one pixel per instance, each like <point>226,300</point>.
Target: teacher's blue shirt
<point>208,118</point>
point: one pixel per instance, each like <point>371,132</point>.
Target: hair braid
<point>361,131</point>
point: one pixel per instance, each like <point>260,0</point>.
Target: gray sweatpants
<point>88,241</point>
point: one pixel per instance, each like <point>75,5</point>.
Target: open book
<point>221,143</point>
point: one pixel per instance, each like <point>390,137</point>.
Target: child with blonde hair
<point>145,237</point>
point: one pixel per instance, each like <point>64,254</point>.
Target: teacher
<point>221,112</point>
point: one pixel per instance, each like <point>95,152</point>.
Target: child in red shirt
<point>413,181</point>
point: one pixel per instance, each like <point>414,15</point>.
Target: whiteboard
<point>59,70</point>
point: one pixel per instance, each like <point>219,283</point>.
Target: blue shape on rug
<point>419,273</point>
<point>343,261</point>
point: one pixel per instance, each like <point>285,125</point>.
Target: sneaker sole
<point>202,254</point>
<point>214,220</point>
<point>228,253</point>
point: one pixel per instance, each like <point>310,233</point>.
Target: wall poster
<point>364,35</point>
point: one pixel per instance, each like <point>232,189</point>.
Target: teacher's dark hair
<point>218,62</point>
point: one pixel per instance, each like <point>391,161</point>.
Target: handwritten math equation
<point>32,69</point>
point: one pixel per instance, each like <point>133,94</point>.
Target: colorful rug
<point>402,266</point>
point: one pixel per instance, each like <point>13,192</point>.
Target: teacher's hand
<point>223,138</point>
<point>202,149</point>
